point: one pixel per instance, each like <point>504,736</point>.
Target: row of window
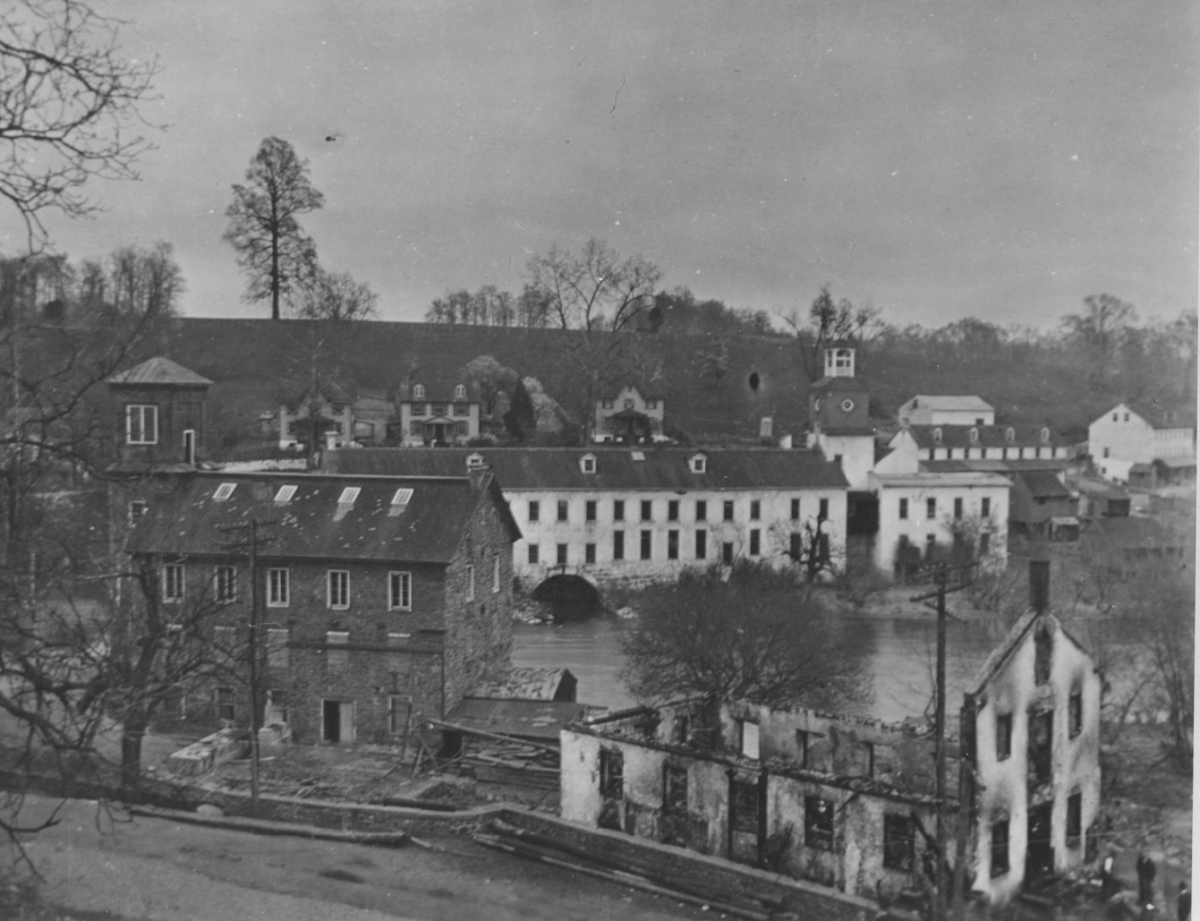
<point>629,404</point>
<point>746,814</point>
<point>931,508</point>
<point>416,428</point>
<point>1026,453</point>
<point>460,391</point>
<point>1010,434</point>
<point>646,508</point>
<point>562,555</point>
<point>439,409</point>
<point>1001,863</point>
<point>337,586</point>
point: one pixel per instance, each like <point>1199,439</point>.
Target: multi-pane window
<point>561,554</point>
<point>755,541</point>
<point>1004,723</point>
<point>172,582</point>
<point>141,424</point>
<point>1075,713</point>
<point>589,553</point>
<point>898,840</point>
<point>534,554</point>
<point>647,510</point>
<point>672,545</point>
<point>903,508</point>
<point>618,509</point>
<point>1000,848</point>
<point>931,508</point>
<point>535,510</point>
<point>701,545</point>
<point>795,510</point>
<point>339,589</point>
<point>618,545</point>
<point>278,588</point>
<point>818,823</point>
<point>225,707</point>
<point>755,509</point>
<point>728,510</point>
<point>647,536</point>
<point>673,510</point>
<point>470,582</point>
<point>399,591</point>
<point>589,510</point>
<point>701,510</point>
<point>612,773</point>
<point>277,647</point>
<point>562,509</point>
<point>225,584</point>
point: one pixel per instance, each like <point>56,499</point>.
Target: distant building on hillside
<point>630,516</point>
<point>1041,504</point>
<point>1144,444</point>
<point>319,417</point>
<point>984,442</point>
<point>924,409</point>
<point>629,413</point>
<point>435,411</point>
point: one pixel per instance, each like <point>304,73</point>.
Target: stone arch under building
<point>571,597</point>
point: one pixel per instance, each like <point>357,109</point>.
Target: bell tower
<point>839,423</point>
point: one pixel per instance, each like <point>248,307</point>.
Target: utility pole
<point>941,577</point>
<point>251,546</point>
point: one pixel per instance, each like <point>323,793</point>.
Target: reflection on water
<point>899,656</point>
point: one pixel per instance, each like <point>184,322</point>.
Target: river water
<point>899,655</point>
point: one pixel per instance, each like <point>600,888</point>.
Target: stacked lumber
<point>511,761</point>
<point>626,872</point>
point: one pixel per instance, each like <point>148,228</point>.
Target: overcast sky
<point>939,159</point>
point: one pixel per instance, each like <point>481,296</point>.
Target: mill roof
<point>616,468</point>
<point>950,479</point>
<point>950,403</point>
<point>315,522</point>
<point>1163,416</point>
<point>159,371</point>
<point>1043,484</point>
<point>988,436</point>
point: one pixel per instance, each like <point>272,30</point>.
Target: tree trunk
<point>132,734</point>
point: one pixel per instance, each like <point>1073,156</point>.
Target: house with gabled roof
<point>629,412</point>
<point>1144,443</point>
<point>926,409</point>
<point>434,409</point>
<point>318,415</point>
<point>384,599</point>
<point>635,515</point>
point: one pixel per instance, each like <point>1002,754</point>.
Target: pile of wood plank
<point>629,872</point>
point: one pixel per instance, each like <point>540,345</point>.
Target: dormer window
<point>841,358</point>
<point>224,491</point>
<point>937,436</point>
<point>699,463</point>
<point>587,463</point>
<point>474,461</point>
<point>1010,434</point>
<point>418,391</point>
<point>460,392</point>
<point>974,436</point>
<point>1046,435</point>
<point>349,495</point>
<point>285,495</point>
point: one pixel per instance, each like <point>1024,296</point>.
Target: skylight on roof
<point>402,497</point>
<point>224,491</point>
<point>638,456</point>
<point>285,494</point>
<point>349,495</point>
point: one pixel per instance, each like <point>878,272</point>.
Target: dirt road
<point>159,871</point>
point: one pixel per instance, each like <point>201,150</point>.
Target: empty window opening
<point>818,823</point>
<point>612,773</point>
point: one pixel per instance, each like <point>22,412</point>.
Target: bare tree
<point>68,101</point>
<point>829,322</point>
<point>753,636</point>
<point>596,289</point>
<point>1099,332</point>
<point>272,248</point>
<point>336,296</point>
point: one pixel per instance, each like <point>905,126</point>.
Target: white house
<point>924,409</point>
<point>1141,434</point>
<point>435,411</point>
<point>632,516</point>
<point>629,413</point>
<point>326,411</point>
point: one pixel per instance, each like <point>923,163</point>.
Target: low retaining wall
<point>808,900</point>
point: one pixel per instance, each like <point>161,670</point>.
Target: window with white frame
<point>339,589</point>
<point>172,582</point>
<point>285,494</point>
<point>225,584</point>
<point>587,463</point>
<point>400,591</point>
<point>699,463</point>
<point>141,424</point>
<point>277,588</point>
<point>224,491</point>
<point>419,392</point>
<point>460,391</point>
